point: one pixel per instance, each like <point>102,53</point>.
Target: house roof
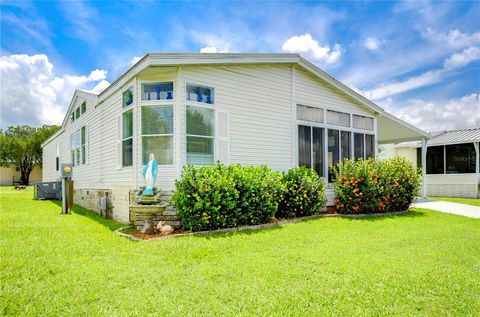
<point>447,137</point>
<point>393,129</point>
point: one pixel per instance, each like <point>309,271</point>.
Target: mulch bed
<point>134,234</point>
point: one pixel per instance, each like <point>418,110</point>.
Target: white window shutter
<point>223,137</point>
<point>119,142</point>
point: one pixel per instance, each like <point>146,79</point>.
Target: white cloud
<point>212,49</point>
<point>451,114</point>
<point>32,94</point>
<point>390,89</point>
<point>453,38</point>
<point>467,56</point>
<point>101,86</point>
<point>373,43</point>
<point>307,45</point>
<point>455,61</point>
<point>135,59</point>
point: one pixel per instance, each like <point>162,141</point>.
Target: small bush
<point>226,196</point>
<point>303,194</point>
<point>373,186</point>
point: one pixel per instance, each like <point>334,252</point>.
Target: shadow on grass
<point>410,214</point>
<point>246,232</point>
<point>106,222</point>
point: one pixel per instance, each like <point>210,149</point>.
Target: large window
<point>310,148</point>
<point>157,91</point>
<point>78,147</point>
<point>127,138</point>
<point>358,145</point>
<point>57,157</point>
<point>435,160</point>
<point>333,150</point>
<point>200,136</point>
<point>157,134</point>
<point>460,158</point>
<point>345,142</point>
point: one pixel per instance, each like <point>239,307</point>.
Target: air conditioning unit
<point>48,190</point>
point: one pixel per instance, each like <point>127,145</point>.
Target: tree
<point>21,146</point>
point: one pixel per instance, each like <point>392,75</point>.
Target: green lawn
<point>420,263</point>
<point>467,201</point>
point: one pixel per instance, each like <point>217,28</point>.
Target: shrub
<point>226,196</point>
<point>372,186</point>
<point>303,193</point>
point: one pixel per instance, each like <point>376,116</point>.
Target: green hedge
<point>374,186</point>
<point>303,195</point>
<point>222,196</point>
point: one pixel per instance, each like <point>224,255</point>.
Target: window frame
<point>122,139</point>
<point>326,126</point>
<point>155,101</point>
<point>81,149</point>
<point>146,103</point>
<point>201,105</point>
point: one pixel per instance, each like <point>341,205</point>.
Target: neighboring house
<point>452,162</point>
<point>11,175</point>
<point>273,109</point>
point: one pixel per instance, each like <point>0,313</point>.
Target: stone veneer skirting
<point>90,199</point>
<point>453,190</point>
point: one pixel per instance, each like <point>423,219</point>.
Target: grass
<point>420,263</point>
<point>467,201</point>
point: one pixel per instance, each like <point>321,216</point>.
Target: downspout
<point>424,168</point>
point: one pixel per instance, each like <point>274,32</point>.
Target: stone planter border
<point>261,226</point>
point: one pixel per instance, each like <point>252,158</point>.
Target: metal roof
<point>455,136</point>
<point>447,137</point>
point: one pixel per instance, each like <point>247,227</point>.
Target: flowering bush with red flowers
<point>374,186</point>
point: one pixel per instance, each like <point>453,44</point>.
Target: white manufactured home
<point>452,162</point>
<point>274,109</point>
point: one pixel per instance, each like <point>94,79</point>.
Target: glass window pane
<point>318,150</point>
<point>358,145</point>
<point>127,97</point>
<point>84,107</point>
<point>84,154</point>
<point>127,152</point>
<point>157,120</point>
<point>460,158</point>
<point>361,122</point>
<point>160,146</point>
<point>338,118</point>
<point>200,150</point>
<point>369,146</point>
<point>345,150</point>
<point>200,121</point>
<point>306,113</point>
<point>157,91</point>
<point>127,125</point>
<point>200,94</point>
<point>435,162</point>
<point>304,146</point>
<point>333,150</point>
<point>77,112</point>
<point>82,136</point>
<point>77,156</point>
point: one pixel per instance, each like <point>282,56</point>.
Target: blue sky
<point>419,60</point>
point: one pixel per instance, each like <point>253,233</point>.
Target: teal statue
<point>150,171</point>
